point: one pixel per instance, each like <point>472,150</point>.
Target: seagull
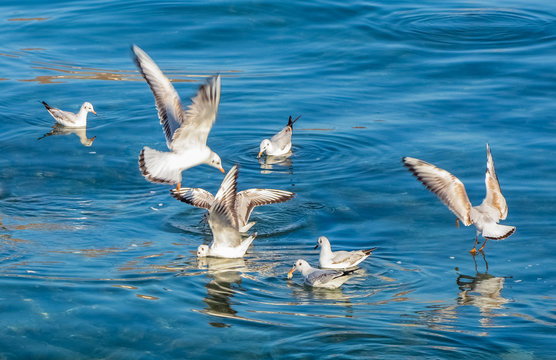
<point>330,279</point>
<point>452,193</point>
<point>59,129</point>
<point>227,241</point>
<point>280,143</point>
<point>339,259</point>
<point>70,119</point>
<point>186,130</point>
<point>245,201</point>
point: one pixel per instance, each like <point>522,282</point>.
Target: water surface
<point>96,262</point>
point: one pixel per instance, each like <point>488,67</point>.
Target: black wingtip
<point>291,122</point>
<point>369,251</point>
<point>48,107</point>
<point>351,271</point>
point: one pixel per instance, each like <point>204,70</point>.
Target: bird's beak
<point>94,112</point>
<point>290,274</point>
<point>222,169</point>
<point>260,153</point>
<point>316,246</point>
<point>93,138</point>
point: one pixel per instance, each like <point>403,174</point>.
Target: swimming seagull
<point>186,130</point>
<point>330,279</point>
<point>227,241</point>
<point>280,143</point>
<point>339,259</point>
<point>452,193</point>
<point>70,119</point>
<point>245,201</point>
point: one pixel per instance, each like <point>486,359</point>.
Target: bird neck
<point>82,115</point>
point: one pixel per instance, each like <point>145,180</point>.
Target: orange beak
<point>94,112</point>
<point>290,274</point>
<point>93,138</point>
<point>260,153</point>
<point>222,169</point>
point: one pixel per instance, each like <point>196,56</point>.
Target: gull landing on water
<point>452,193</point>
<point>70,119</point>
<point>279,144</point>
<point>186,130</point>
<point>329,259</point>
<point>223,219</point>
<point>330,279</point>
<point>245,201</point>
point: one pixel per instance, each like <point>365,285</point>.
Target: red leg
<point>482,247</point>
<point>474,251</point>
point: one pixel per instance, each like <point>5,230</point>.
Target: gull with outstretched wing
<point>245,201</point>
<point>452,193</point>
<point>186,130</point>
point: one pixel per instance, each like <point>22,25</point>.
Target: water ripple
<point>473,28</point>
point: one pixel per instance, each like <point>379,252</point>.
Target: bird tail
<point>496,231</point>
<point>369,251</point>
<point>247,242</point>
<point>291,122</point>
<point>156,166</point>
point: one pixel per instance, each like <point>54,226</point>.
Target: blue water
<point>96,262</point>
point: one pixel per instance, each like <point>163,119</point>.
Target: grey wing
<point>167,100</point>
<point>194,196</point>
<point>199,116</point>
<point>246,200</point>
<point>323,276</point>
<point>447,187</point>
<point>62,117</point>
<point>494,195</point>
<point>347,257</point>
<point>283,139</point>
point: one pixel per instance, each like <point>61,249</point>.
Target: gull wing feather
<point>194,196</point>
<point>494,197</point>
<point>168,104</point>
<point>62,117</point>
<point>322,276</point>
<point>247,200</point>
<point>449,189</point>
<point>282,139</point>
<point>224,205</point>
<point>199,116</point>
<point>347,256</point>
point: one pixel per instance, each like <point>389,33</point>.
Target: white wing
<point>199,117</point>
<point>167,101</point>
<point>246,200</point>
<point>494,196</point>
<point>222,214</point>
<point>283,139</point>
<point>445,185</point>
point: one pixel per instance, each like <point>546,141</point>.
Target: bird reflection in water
<point>225,276</point>
<point>270,164</point>
<point>483,291</point>
<point>59,129</point>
